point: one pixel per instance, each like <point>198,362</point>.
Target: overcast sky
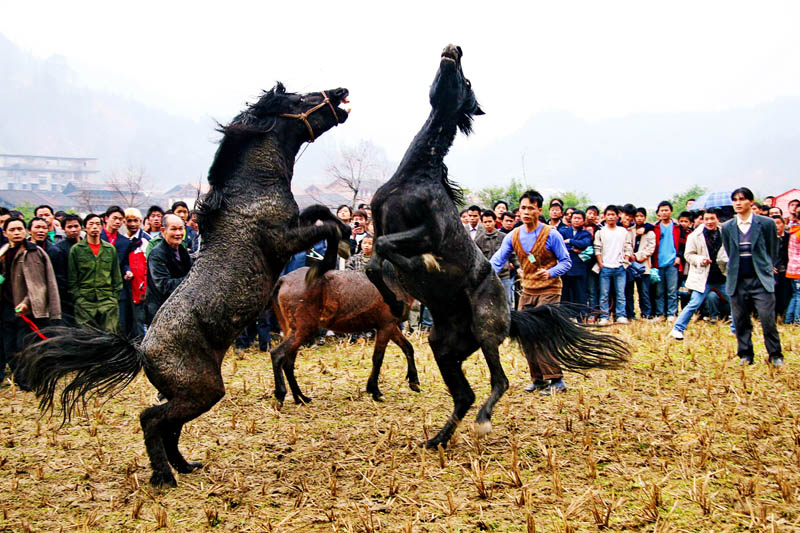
<point>594,59</point>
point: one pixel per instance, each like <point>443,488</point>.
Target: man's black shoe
<point>745,361</point>
<point>537,385</point>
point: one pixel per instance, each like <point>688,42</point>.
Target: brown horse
<point>343,302</point>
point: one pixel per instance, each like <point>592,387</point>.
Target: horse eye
<point>469,84</point>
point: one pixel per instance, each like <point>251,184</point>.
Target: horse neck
<point>258,190</point>
<point>431,144</point>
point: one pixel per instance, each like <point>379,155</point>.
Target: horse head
<point>303,117</point>
<point>451,92</point>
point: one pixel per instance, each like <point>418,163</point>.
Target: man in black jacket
<point>751,245</point>
<point>60,259</point>
<point>167,265</point>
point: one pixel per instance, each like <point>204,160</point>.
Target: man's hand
<point>128,275</point>
<point>706,262</point>
<point>677,262</point>
<point>640,231</point>
<point>542,274</point>
<point>21,309</point>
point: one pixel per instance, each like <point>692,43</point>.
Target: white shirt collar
<point>744,222</point>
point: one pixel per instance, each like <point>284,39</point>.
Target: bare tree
<point>355,165</point>
<point>130,186</point>
<point>86,201</point>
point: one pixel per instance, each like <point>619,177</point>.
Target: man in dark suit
<point>751,246</point>
<point>113,219</point>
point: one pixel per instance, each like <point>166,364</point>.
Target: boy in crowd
<point>359,223</point>
<point>358,262</point>
<point>592,225</point>
<point>576,240</point>
<point>613,245</point>
<point>703,256</point>
<point>54,232</point>
<point>474,226</point>
<point>666,258</point>
<point>644,244</point>
<point>72,235</point>
<point>488,243</point>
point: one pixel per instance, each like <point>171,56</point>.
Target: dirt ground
<point>682,439</point>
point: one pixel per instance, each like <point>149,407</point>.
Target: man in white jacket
<point>706,259</point>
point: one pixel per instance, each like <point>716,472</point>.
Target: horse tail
<point>548,329</point>
<point>103,363</point>
<point>309,216</point>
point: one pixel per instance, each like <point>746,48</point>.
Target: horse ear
<point>279,88</point>
<point>478,111</point>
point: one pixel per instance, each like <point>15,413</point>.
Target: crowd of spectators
<point>113,270</point>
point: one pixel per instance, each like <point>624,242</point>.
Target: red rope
<point>33,326</point>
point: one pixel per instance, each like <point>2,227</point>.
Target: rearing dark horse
<point>250,228</point>
<point>418,230</point>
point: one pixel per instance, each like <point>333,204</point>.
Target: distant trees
<point>130,184</point>
<point>680,199</point>
<point>511,193</point>
<point>354,165</point>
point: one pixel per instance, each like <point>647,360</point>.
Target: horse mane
<point>454,191</point>
<point>257,119</point>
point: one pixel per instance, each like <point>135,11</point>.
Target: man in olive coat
<point>94,278</point>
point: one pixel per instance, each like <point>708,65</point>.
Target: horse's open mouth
<point>451,53</point>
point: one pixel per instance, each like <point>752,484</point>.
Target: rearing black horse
<point>250,227</point>
<point>418,230</point>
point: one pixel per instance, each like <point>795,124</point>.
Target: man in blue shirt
<point>543,259</point>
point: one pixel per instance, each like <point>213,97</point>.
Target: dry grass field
<point>680,440</point>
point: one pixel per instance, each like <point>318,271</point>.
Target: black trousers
<point>573,291</point>
<point>751,296</point>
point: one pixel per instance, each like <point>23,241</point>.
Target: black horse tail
<point>102,363</point>
<point>310,215</point>
<point>547,329</point>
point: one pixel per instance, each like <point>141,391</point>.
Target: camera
<point>356,224</point>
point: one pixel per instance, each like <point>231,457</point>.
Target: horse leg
<point>163,424</point>
<point>381,340</point>
<point>278,356</point>
<point>449,353</point>
<point>490,325</point>
<point>307,322</point>
<point>171,436</point>
<point>374,271</point>
<point>408,350</point>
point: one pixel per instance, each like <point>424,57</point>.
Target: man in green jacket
<point>94,278</point>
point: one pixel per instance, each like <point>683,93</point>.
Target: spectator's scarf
<point>713,242</point>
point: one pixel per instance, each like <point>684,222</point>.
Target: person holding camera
<point>359,222</point>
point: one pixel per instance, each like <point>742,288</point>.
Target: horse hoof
<point>302,400</point>
<point>483,428</point>
<point>189,467</point>
<point>432,444</point>
<point>414,386</point>
<point>163,479</point>
<point>377,396</point>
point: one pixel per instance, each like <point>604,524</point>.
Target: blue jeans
<point>618,275</point>
<point>508,285</point>
<point>642,285</point>
<point>695,301</point>
<point>793,310</point>
<point>668,285</point>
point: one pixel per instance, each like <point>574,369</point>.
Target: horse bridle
<point>304,115</point>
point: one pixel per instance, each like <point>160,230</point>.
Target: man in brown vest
<point>543,259</point>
